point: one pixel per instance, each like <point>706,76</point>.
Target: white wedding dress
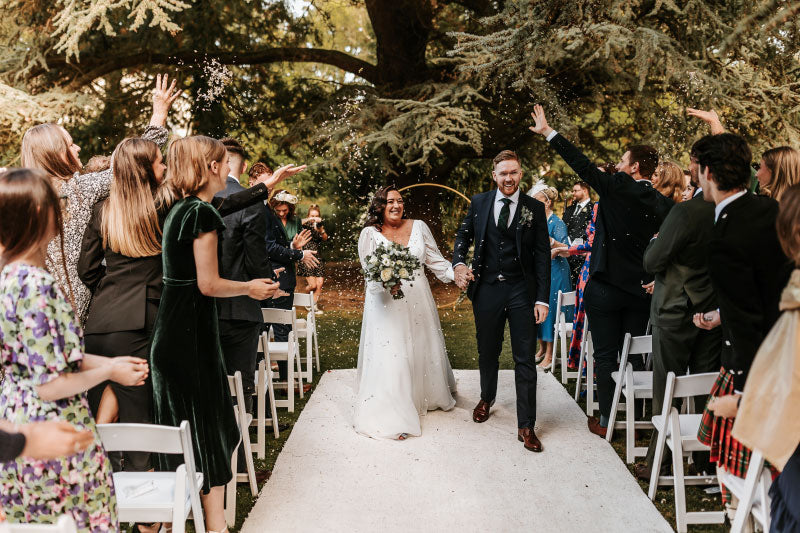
<point>403,370</point>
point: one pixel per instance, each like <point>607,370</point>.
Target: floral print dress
<point>40,340</point>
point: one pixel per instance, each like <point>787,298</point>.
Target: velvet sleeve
<point>201,218</point>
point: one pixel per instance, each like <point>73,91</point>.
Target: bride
<point>403,370</point>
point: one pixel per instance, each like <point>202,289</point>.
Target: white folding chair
<point>562,330</point>
<point>243,420</point>
<point>65,524</point>
<point>679,432</point>
<point>265,390</point>
<point>587,355</point>
<point>176,495</point>
<point>634,385</point>
<point>307,329</point>
<point>752,493</point>
<point>285,351</point>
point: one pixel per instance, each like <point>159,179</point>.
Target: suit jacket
<point>244,256</point>
<point>122,286</point>
<point>280,251</point>
<point>679,260</point>
<point>749,271</point>
<point>532,241</point>
<point>632,213</point>
<point>577,221</point>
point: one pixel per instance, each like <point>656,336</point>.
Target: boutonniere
<point>526,217</point>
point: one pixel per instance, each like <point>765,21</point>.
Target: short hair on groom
<point>646,156</point>
<point>234,147</point>
<point>505,155</point>
<point>728,157</point>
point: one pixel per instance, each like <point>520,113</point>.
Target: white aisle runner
<point>459,476</point>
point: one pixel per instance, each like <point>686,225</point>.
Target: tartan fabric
<point>580,312</point>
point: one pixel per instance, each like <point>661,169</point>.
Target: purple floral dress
<point>39,341</point>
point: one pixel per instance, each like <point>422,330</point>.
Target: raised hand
<point>262,289</point>
<point>129,371</point>
<point>164,95</point>
<point>309,259</point>
<point>301,239</point>
<point>710,117</point>
<point>281,174</point>
<point>540,122</point>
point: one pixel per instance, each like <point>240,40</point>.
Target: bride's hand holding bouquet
<point>390,265</point>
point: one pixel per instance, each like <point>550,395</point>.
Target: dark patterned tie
<point>505,211</point>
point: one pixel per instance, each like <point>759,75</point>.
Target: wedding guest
<point>314,277</point>
<point>671,181</point>
<point>779,169</point>
<point>189,376</point>
<point>243,257</point>
<point>98,163</point>
<point>284,205</point>
<point>690,187</point>
<point>577,216</point>
<point>559,271</point>
<point>748,271</point>
<point>678,259</point>
<point>50,148</point>
<point>47,371</point>
<point>766,412</point>
<point>615,299</point>
<point>42,440</point>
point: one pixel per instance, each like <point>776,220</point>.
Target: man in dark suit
<point>243,257</point>
<point>577,216</point>
<point>615,298</point>
<point>509,282</point>
<point>678,258</point>
<point>747,266</point>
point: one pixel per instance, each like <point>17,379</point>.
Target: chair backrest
<point>303,299</point>
<point>566,299</point>
<point>640,345</point>
<point>142,438</point>
<point>278,316</point>
<point>65,524</point>
<point>686,387</point>
<point>237,389</point>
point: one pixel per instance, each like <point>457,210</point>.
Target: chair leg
<point>309,357</point>
<point>630,429</point>
<point>248,457</point>
<point>612,419</point>
<point>580,372</point>
<point>589,384</point>
<point>316,345</point>
<point>658,457</point>
<point>273,407</point>
<point>751,486</point>
<point>562,348</point>
<point>299,363</point>
<point>230,492</point>
<point>261,408</point>
<point>290,385</point>
<point>677,469</point>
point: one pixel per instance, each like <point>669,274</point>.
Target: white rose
<point>373,260</point>
<point>386,274</point>
<point>403,273</point>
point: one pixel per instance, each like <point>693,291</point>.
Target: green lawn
<point>339,333</point>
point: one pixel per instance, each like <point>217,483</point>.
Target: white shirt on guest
<point>725,202</point>
<point>498,205</point>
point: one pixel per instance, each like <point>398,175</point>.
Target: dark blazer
<point>577,222</point>
<point>11,445</point>
<point>632,213</point>
<point>122,286</point>
<point>532,240</point>
<point>679,260</point>
<point>749,271</point>
<point>280,251</point>
<point>244,256</point>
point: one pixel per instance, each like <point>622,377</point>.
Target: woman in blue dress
<point>559,270</point>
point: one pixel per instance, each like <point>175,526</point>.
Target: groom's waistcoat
<point>500,255</point>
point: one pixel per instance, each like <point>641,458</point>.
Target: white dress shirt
<point>725,202</point>
<point>498,205</point>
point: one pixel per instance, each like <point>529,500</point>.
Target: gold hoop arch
<point>454,303</point>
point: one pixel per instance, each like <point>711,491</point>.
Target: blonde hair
<point>130,222</point>
<point>551,193</point>
<point>189,161</point>
<point>784,164</point>
<point>46,147</point>
<point>671,181</point>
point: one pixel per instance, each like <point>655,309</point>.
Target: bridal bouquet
<point>389,265</point>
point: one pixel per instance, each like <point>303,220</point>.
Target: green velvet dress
<point>187,366</point>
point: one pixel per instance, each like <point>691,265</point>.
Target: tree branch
<point>337,59</point>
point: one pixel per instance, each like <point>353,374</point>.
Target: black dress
<point>313,244</point>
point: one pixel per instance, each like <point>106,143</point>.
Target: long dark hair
<point>378,206</point>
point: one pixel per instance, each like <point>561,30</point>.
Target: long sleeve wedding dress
<point>403,369</point>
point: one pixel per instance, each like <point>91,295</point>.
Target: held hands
<point>301,239</point>
<point>262,289</point>
<point>725,406</point>
<point>309,259</point>
<point>129,371</point>
<point>53,439</point>
<point>710,117</point>
<point>540,122</point>
<point>463,275</point>
<point>708,320</point>
<point>540,312</point>
<point>164,95</point>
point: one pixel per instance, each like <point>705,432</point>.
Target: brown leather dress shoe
<point>641,471</point>
<point>481,412</point>
<point>595,427</point>
<point>529,439</point>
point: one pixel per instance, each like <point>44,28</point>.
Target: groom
<point>509,281</point>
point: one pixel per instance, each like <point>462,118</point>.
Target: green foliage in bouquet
<point>390,265</point>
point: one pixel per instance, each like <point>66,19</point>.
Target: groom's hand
<point>540,312</point>
<point>463,276</point>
